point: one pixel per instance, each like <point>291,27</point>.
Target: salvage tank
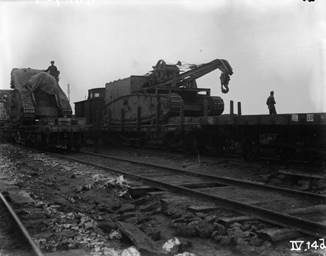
<point>167,91</point>
<point>125,102</point>
<point>36,94</point>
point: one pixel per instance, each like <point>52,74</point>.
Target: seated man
<point>53,71</point>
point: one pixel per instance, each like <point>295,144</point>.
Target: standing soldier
<point>271,103</point>
<point>53,70</point>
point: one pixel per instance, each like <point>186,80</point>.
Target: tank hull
<point>142,108</point>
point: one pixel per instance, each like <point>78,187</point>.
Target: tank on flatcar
<point>40,112</point>
<point>164,100</point>
<point>36,94</point>
<point>168,91</point>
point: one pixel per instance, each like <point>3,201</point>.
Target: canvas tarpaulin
<point>26,81</point>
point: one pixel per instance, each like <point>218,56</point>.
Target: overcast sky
<point>275,45</point>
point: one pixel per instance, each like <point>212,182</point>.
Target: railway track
<point>14,237</point>
<point>220,179</point>
<point>301,211</point>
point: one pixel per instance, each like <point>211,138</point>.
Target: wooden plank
<point>278,234</point>
<point>302,174</point>
<point>310,209</point>
<point>158,193</point>
<point>20,197</point>
<point>6,185</point>
<point>226,221</point>
<point>141,190</point>
<point>174,199</point>
<point>72,252</point>
<point>202,208</point>
<point>139,238</point>
<point>202,185</point>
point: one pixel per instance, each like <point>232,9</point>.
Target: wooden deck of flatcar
<point>280,119</point>
<point>313,120</point>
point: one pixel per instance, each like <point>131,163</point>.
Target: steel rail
<point>21,227</point>
<point>220,179</point>
<point>282,219</point>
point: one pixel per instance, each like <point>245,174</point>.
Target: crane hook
<point>225,78</point>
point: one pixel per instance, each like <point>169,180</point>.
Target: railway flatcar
<point>39,112</point>
<point>300,136</point>
<point>166,108</point>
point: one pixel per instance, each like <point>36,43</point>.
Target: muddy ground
<point>74,208</point>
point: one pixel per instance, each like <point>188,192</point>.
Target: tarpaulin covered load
<point>39,93</point>
<point>4,97</point>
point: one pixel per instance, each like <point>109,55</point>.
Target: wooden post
<point>239,108</point>
<point>231,107</point>
<point>205,110</point>
<point>138,119</point>
<point>157,114</point>
<point>181,117</point>
<point>109,117</point>
<point>98,127</point>
<point>122,120</point>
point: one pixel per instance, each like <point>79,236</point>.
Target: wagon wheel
<point>77,142</point>
<point>250,150</point>
<point>45,139</point>
<point>191,144</point>
<point>286,153</point>
<point>38,138</point>
<point>18,138</point>
<point>170,141</point>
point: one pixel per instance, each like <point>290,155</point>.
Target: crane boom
<point>203,69</point>
<point>164,74</point>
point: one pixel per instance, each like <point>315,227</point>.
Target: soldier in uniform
<point>53,70</point>
<point>271,103</point>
